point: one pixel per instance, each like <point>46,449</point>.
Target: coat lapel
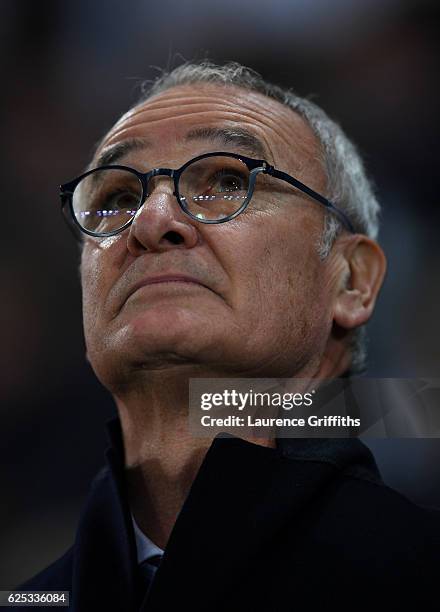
<point>104,569</point>
<point>242,499</point>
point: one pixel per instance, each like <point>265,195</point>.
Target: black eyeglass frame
<point>255,166</point>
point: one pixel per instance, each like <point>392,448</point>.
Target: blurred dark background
<point>69,69</point>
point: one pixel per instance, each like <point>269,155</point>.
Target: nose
<point>160,225</point>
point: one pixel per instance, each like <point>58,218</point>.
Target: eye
<point>106,199</point>
<point>213,187</point>
<point>112,209</point>
<point>227,180</point>
<point>119,199</point>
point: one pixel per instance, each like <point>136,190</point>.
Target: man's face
<point>261,299</point>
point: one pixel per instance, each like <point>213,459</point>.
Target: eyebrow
<point>115,152</point>
<point>238,137</point>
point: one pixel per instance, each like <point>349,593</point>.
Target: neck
<point>162,457</point>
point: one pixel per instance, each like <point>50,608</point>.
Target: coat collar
<point>231,501</point>
<point>105,560</point>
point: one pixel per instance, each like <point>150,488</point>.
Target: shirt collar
<point>145,547</point>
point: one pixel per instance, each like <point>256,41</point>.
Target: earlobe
<point>366,265</point>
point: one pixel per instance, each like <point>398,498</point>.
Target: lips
<point>165,278</point>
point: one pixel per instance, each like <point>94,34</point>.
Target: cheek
<point>91,320</point>
<point>280,288</point>
<point>275,262</point>
<point>96,272</point>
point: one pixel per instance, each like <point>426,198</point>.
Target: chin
<point>168,334</point>
<point>164,322</point>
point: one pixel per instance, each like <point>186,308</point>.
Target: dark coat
<point>306,525</point>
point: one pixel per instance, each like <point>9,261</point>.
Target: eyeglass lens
<point>106,200</point>
<point>214,188</point>
<point>211,188</point>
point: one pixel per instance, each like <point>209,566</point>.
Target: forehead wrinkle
<point>230,113</point>
<point>166,100</point>
<point>248,108</point>
<point>253,102</point>
<point>183,110</point>
<point>258,124</point>
<point>161,103</point>
<point>186,108</point>
<point>165,103</point>
<point>229,121</point>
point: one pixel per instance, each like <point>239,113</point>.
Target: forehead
<point>164,122</point>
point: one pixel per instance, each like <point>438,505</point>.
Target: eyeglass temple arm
<point>313,194</point>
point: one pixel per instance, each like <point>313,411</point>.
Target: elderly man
<point>229,231</point>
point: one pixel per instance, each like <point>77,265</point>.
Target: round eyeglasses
<point>211,188</point>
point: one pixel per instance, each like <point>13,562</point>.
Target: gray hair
<point>347,183</point>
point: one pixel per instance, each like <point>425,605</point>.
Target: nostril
<point>173,237</point>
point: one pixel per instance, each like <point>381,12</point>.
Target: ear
<point>364,270</point>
